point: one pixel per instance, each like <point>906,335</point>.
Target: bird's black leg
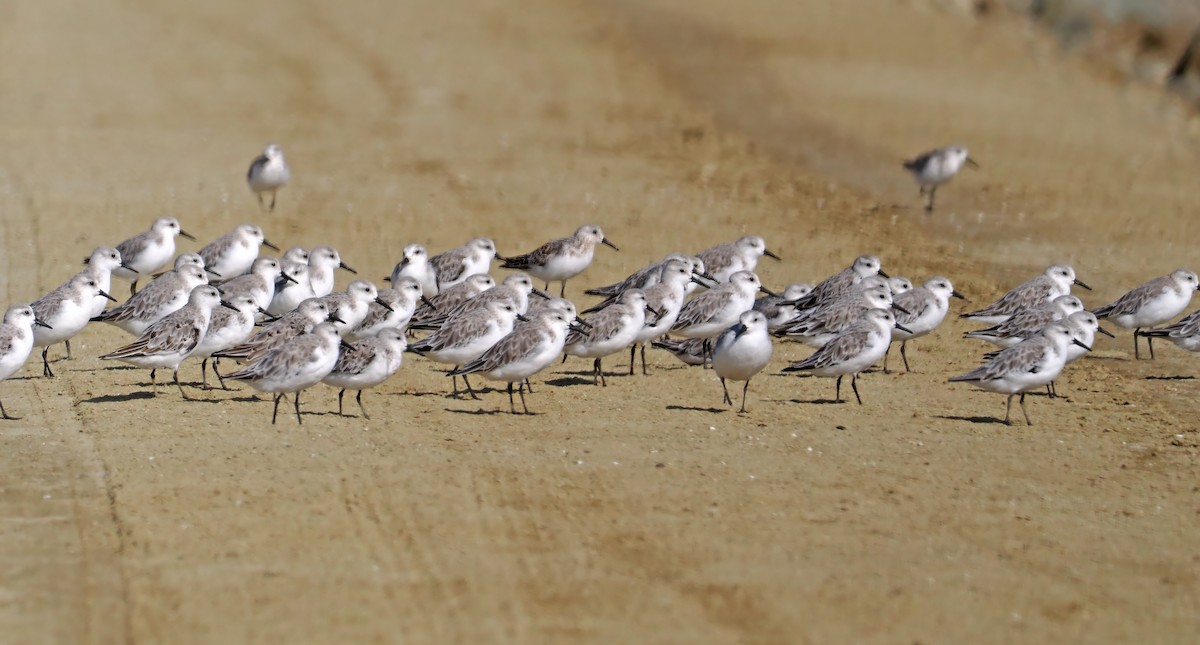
<point>854,386</point>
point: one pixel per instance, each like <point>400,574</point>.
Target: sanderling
<point>715,310</point>
<point>899,284</point>
<point>688,350</point>
<point>353,304</point>
<point>777,310</point>
<point>166,343</point>
<point>852,351</point>
<point>149,251</point>
<point>397,309</point>
<point>66,311</point>
<point>1185,333</point>
<point>647,277</point>
<point>529,349</point>
<point>1150,304</point>
<point>742,351</point>
<point>466,336</point>
<point>665,297</point>
<point>322,262</point>
<point>936,167</point>
<point>268,173</point>
<point>291,289</point>
<point>610,330</point>
<point>231,255</point>
<point>562,259</point>
<point>16,341</point>
<point>1055,281</point>
<point>821,324</point>
<point>259,283</point>
<point>415,264</point>
<point>1025,366</point>
<point>1028,323</point>
<point>294,366</point>
<point>1084,326</point>
<point>228,326</point>
<point>300,320</point>
<point>835,285</point>
<point>926,307</point>
<point>367,363</point>
<point>186,260</point>
<point>455,265</point>
<point>100,267</point>
<point>294,254</point>
<point>165,294</point>
<point>451,297</point>
<point>724,260</point>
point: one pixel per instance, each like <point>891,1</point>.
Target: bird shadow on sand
<point>119,398</point>
<point>971,419</point>
<point>1181,377</point>
<point>487,413</point>
<point>569,380</point>
<point>689,408</point>
<point>818,401</point>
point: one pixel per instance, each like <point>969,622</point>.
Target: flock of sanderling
<point>282,320</point>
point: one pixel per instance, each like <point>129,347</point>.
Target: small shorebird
<point>936,167</point>
<point>268,173</point>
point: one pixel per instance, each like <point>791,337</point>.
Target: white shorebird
<point>821,324</point>
<point>1084,326</point>
<point>301,320</point>
<point>267,174</point>
<point>294,366</point>
<point>715,310</point>
<point>936,167</point>
<point>66,311</point>
<point>101,264</point>
<point>367,363</point>
<point>1027,323</point>
<point>232,254</point>
<point>665,297</point>
<point>742,351</point>
<point>291,289</point>
<point>259,283</point>
<point>724,260</point>
<point>562,259</point>
<point>16,341</point>
<point>455,265</point>
<point>610,330</point>
<point>1055,281</point>
<point>529,349</point>
<point>228,326</point>
<point>149,251</point>
<point>927,306</point>
<point>1150,304</point>
<point>1185,333</point>
<point>466,336</point>
<point>1026,366</point>
<point>323,261</point>
<point>166,343</point>
<point>415,264</point>
<point>864,266</point>
<point>854,350</point>
<point>167,293</point>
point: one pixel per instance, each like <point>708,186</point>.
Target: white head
<point>899,285</point>
<point>21,316</point>
<point>327,332</point>
<point>873,282</point>
<point>752,322</point>
<point>168,226</point>
<point>798,290</point>
<point>1068,304</point>
<point>415,254</point>
<point>408,289</point>
<point>503,309</point>
<point>325,257</point>
<point>362,290</point>
<point>519,281</point>
<point>104,258</point>
<point>1083,320</point>
<point>266,266</point>
<point>1185,279</point>
<point>480,282</point>
<point>633,298</point>
<point>879,297</point>
<point>297,271</point>
<point>560,305</point>
<point>394,338</point>
<point>314,309</point>
<point>244,303</point>
<point>273,151</point>
<point>676,272</point>
<point>189,259</point>
<point>591,234</point>
<point>756,246</point>
<point>193,276</point>
<point>204,296</point>
<point>942,288</point>
<point>867,265</point>
<point>955,156</point>
<point>296,254</point>
<point>254,235</point>
<point>745,281</point>
<point>483,247</point>
<point>1058,333</point>
<point>1063,275</point>
<point>87,285</point>
<point>883,318</point>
